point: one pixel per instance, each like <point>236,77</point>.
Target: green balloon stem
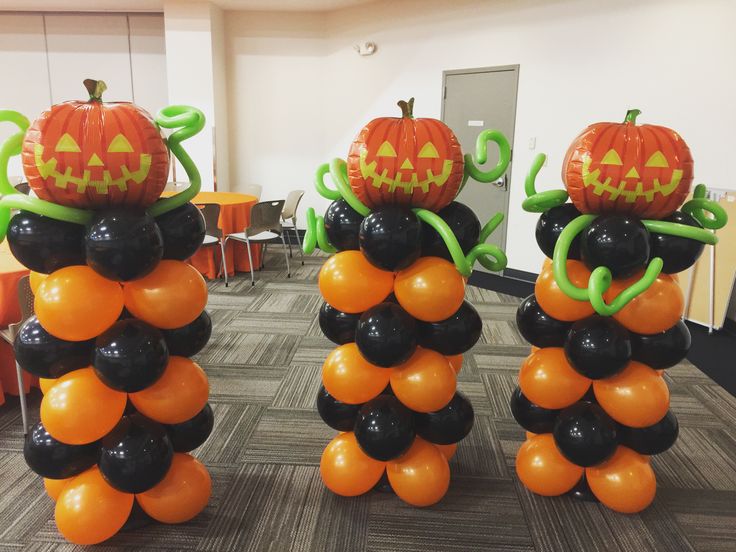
<point>559,257</point>
<point>631,116</point>
<point>539,202</point>
<point>339,173</point>
<point>481,154</point>
<point>698,206</point>
<point>321,187</point>
<point>681,231</point>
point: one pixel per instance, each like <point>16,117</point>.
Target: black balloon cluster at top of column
<point>464,225</point>
<point>342,225</point>
<point>391,238</point>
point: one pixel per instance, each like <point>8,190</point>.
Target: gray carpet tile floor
<point>264,363</point>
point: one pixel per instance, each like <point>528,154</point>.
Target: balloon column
<point>117,312</point>
<point>604,318</point>
<point>394,304</point>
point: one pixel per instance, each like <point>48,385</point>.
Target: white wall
<point>298,93</point>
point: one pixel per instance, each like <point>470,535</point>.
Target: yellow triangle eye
<point>67,144</point>
<point>428,150</point>
<point>611,158</point>
<point>657,160</point>
<point>386,150</point>
<point>120,144</point>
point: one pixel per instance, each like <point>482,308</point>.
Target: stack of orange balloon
<point>430,290</point>
<point>75,303</point>
<point>637,397</point>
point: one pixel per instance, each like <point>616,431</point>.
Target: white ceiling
<point>158,5</point>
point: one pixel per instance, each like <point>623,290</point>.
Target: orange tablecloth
<point>10,272</point>
<point>234,217</point>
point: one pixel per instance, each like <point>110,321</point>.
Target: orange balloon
<point>625,483</point>
<point>89,510</point>
<point>75,303</point>
<point>46,383</point>
<point>346,470</point>
<point>543,470</point>
<point>80,409</point>
<point>421,476</point>
<point>635,397</point>
<point>426,382</point>
<point>554,302</point>
<point>171,296</point>
<point>181,495</point>
<point>431,289</point>
<point>350,378</point>
<point>350,283</point>
<point>448,450</point>
<point>656,310</point>
<point>55,486</point>
<point>35,279</point>
<point>529,435</point>
<point>178,395</point>
<point>547,379</point>
<point>456,361</point>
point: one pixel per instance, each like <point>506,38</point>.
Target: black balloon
<point>585,434</point>
<point>598,347</point>
<point>183,230</point>
<point>342,224</point>
<point>339,327</point>
<point>530,416</point>
<point>582,491</point>
<point>653,439</point>
<point>44,244</point>
<point>188,435</point>
<point>46,356</point>
<point>123,245</point>
<point>190,339</point>
<point>618,242</point>
<point>386,335</point>
<point>135,455</point>
<point>391,238</point>
<point>677,253</point>
<point>664,349</point>
<point>551,224</point>
<point>56,460</point>
<point>538,327</point>
<point>384,428</point>
<point>130,356</point>
<point>454,335</point>
<point>336,414</point>
<point>464,225</point>
<point>446,426</point>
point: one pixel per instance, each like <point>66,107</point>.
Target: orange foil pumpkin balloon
<point>96,155</point>
<point>644,170</point>
<point>407,161</point>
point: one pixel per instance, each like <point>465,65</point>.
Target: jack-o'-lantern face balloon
<point>96,155</point>
<point>643,170</point>
<point>406,161</point>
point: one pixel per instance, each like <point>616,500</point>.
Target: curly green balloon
<point>321,187</point>
<point>681,230</point>
<point>481,154</point>
<point>189,121</point>
<point>699,205</point>
<point>539,202</point>
<point>316,234</point>
<point>339,173</point>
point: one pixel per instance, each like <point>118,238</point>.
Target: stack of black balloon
<point>385,427</point>
<point>139,451</point>
<point>617,365</point>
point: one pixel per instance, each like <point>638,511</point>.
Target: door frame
<point>491,69</point>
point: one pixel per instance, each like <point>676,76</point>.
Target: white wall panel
<point>148,61</point>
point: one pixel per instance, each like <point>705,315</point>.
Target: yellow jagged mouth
<point>47,169</point>
<point>368,171</point>
<point>593,179</point>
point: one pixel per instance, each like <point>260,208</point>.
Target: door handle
<point>501,182</point>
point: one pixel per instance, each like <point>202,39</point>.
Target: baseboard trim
<point>522,275</point>
<point>508,284</point>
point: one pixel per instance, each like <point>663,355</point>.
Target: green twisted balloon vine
<point>707,212</point>
<point>188,120</point>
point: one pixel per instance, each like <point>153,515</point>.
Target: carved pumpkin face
<point>406,161</point>
<point>643,170</point>
<point>96,155</point>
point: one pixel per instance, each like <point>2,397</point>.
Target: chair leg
<point>299,241</point>
<point>288,239</point>
<point>223,261</point>
<point>224,246</point>
<point>263,255</point>
<point>250,262</point>
<point>22,396</point>
<point>288,268</point>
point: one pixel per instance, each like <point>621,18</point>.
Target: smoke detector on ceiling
<point>366,49</point>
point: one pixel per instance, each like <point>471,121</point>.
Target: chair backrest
<point>25,300</point>
<point>211,213</point>
<point>254,190</point>
<point>264,216</point>
<point>291,204</point>
<point>23,188</point>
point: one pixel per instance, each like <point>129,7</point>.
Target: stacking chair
<point>213,234</point>
<point>288,219</point>
<point>23,188</point>
<point>25,298</point>
<point>254,190</point>
<point>265,225</point>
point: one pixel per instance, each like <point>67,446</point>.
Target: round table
<point>234,217</point>
<point>10,272</point>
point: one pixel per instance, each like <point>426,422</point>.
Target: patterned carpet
<point>264,364</point>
